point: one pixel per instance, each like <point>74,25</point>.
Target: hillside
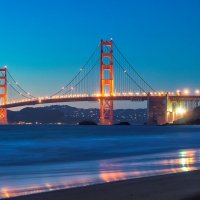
<point>71,115</point>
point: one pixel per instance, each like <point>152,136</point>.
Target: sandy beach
<point>181,186</point>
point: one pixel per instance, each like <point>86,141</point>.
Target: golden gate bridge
<point>106,77</point>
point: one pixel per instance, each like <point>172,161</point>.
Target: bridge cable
<point>14,88</point>
<point>80,71</point>
<point>127,73</point>
<point>83,77</point>
<point>133,67</point>
<point>27,93</point>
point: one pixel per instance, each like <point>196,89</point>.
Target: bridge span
<point>162,108</point>
<point>65,99</point>
<point>105,78</point>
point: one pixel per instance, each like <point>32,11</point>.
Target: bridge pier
<point>157,109</point>
<point>162,110</point>
<point>167,109</point>
<point>3,96</point>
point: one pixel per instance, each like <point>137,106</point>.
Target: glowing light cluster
<point>180,111</point>
<point>116,94</point>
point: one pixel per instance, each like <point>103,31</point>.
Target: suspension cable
<point>82,78</point>
<point>133,67</point>
<point>17,84</point>
<point>15,88</point>
<point>80,71</point>
<point>129,75</point>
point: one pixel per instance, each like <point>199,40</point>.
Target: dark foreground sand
<point>167,187</point>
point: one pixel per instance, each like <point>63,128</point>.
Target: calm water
<point>42,158</point>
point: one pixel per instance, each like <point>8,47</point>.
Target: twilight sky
<point>45,42</point>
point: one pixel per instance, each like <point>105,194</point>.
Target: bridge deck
<point>47,100</point>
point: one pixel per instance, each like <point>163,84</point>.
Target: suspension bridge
<point>106,77</point>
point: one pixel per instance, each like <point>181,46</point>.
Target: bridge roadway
<point>61,99</point>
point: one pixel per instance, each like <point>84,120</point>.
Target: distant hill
<point>34,115</point>
<point>191,118</point>
<point>71,115</point>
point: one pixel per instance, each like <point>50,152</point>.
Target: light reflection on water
<point>37,179</point>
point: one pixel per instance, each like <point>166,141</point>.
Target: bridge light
<point>5,67</point>
<point>72,88</point>
<point>125,71</point>
<point>186,91</point>
<point>180,111</point>
<point>197,92</point>
<point>81,69</point>
<point>63,88</point>
<point>178,92</point>
<point>98,95</point>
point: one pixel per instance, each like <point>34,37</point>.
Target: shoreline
<point>180,186</point>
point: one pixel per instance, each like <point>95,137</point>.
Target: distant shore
<point>181,186</point>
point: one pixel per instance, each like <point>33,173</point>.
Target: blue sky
<point>45,42</point>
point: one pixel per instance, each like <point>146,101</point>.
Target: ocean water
<point>44,158</point>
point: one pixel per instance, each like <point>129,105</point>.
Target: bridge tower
<point>3,96</point>
<point>106,83</point>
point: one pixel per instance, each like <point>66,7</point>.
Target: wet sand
<point>182,186</point>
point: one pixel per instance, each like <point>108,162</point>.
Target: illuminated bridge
<point>106,77</point>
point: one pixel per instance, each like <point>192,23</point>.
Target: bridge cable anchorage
<point>134,70</point>
<point>16,83</point>
<point>82,69</point>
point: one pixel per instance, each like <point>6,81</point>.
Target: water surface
<point>43,158</point>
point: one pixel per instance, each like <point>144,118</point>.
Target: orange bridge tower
<point>106,83</point>
<point>3,96</point>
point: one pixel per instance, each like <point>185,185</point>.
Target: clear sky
<point>45,42</point>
